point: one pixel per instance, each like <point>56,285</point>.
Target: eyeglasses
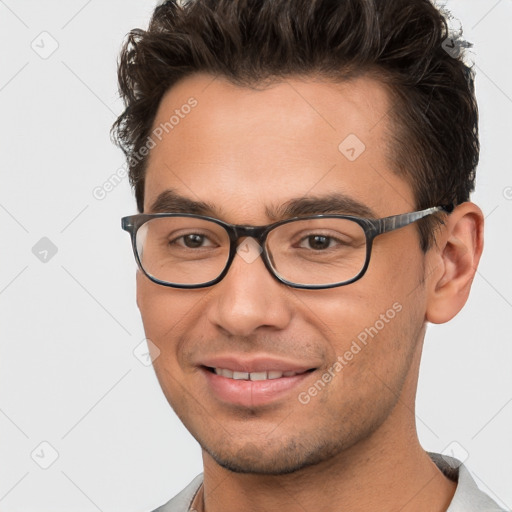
<point>315,252</point>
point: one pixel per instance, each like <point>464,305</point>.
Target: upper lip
<point>255,364</point>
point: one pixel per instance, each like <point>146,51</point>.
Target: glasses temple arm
<point>398,221</point>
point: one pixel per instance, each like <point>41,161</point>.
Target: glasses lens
<point>182,250</point>
<point>317,251</point>
<point>190,251</point>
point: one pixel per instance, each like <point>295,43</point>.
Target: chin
<point>285,459</point>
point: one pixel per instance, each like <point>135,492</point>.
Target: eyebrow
<point>169,201</point>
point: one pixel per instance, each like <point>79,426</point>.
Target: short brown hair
<point>434,143</point>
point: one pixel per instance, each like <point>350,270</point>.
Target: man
<point>302,170</point>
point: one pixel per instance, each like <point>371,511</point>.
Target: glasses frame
<point>372,228</point>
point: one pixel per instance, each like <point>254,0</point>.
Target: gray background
<point>69,377</point>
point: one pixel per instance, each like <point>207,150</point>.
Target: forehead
<point>247,150</point>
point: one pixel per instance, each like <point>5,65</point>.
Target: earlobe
<point>454,261</point>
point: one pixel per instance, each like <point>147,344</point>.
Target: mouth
<point>250,389</point>
<point>255,376</point>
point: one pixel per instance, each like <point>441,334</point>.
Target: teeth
<point>224,373</point>
<point>258,376</point>
<point>271,374</point>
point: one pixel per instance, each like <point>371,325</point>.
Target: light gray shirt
<point>467,498</point>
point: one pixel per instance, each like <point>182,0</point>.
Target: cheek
<point>163,306</point>
<point>166,313</point>
<point>163,315</point>
<point>375,351</point>
<point>395,273</point>
<point>169,316</point>
<point>374,323</point>
<point>153,305</point>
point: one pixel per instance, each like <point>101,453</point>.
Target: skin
<point>353,446</point>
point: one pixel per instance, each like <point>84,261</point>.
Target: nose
<point>249,297</point>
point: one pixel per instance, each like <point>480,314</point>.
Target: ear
<point>453,261</point>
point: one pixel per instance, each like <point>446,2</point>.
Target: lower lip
<point>252,393</point>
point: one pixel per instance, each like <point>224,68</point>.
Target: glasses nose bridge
<point>258,233</point>
<point>241,231</point>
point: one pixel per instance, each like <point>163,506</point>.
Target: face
<point>351,350</point>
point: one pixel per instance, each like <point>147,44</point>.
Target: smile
<point>263,375</point>
<point>256,388</point>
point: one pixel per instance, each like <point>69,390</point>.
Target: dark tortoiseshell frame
<point>371,227</point>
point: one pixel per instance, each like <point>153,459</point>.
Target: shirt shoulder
<point>182,501</point>
<point>468,497</point>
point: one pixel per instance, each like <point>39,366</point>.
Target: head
<point>246,106</point>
